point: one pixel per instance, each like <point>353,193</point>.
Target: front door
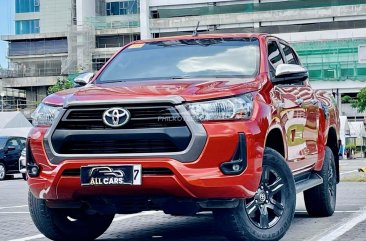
<point>12,154</point>
<point>299,116</point>
<point>297,110</point>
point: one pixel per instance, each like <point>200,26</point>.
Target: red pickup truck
<point>226,123</point>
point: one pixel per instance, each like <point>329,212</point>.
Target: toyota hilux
<point>227,123</point>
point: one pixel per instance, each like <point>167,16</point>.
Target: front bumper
<point>200,179</point>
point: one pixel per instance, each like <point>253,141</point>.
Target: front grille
<point>141,117</point>
<point>113,147</point>
<point>151,129</point>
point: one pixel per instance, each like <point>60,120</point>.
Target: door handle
<point>299,101</point>
<point>314,101</point>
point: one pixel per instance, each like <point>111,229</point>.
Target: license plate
<point>110,175</point>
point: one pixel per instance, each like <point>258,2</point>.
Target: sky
<point>6,27</point>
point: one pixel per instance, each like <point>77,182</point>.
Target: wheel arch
<point>275,140</point>
<point>332,143</point>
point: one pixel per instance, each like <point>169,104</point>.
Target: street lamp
<point>2,101</point>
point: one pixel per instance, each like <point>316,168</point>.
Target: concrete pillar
<point>145,19</point>
<point>85,35</point>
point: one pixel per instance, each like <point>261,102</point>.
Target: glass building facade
<point>26,6</point>
<point>333,60</point>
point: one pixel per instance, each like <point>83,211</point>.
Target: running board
<point>310,181</point>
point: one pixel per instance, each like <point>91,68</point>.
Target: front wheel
<point>268,215</point>
<point>66,224</point>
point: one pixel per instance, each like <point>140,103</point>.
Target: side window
<point>13,142</point>
<point>22,142</point>
<point>274,54</point>
<point>289,54</point>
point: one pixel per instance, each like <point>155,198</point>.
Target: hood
<point>189,90</point>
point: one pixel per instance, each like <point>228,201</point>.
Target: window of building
<point>115,41</point>
<point>122,8</point>
<point>26,6</point>
<point>27,26</point>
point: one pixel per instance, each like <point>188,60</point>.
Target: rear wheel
<point>320,201</point>
<point>66,224</point>
<point>267,215</point>
<point>2,172</point>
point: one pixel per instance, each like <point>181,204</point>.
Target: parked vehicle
<point>10,149</point>
<point>225,123</point>
<point>23,164</point>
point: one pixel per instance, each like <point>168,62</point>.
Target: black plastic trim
<point>178,137</point>
<point>240,158</point>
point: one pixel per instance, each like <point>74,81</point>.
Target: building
<point>62,37</point>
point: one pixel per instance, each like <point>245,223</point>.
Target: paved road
<point>350,167</point>
<point>348,223</point>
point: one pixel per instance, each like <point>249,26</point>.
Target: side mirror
<point>83,79</point>
<point>290,73</point>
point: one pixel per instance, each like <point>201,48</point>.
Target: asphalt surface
<point>348,222</point>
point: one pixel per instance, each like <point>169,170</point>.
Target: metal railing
<point>30,73</point>
<point>26,107</point>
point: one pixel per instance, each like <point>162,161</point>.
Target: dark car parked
<point>10,150</point>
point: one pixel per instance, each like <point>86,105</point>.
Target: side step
<point>308,182</point>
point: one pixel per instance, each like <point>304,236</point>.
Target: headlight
<point>44,115</point>
<point>234,108</point>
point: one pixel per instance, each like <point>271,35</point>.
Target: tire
<point>66,224</point>
<point>2,172</point>
<point>320,201</point>
<point>277,206</point>
<point>24,176</point>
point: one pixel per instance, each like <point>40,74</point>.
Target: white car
<point>23,164</point>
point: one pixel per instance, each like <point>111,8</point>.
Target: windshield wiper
<point>182,77</point>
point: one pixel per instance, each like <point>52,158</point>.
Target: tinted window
<point>22,142</point>
<point>12,142</point>
<point>289,54</point>
<point>192,58</point>
<point>274,54</point>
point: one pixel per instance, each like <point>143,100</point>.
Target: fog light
<point>236,167</point>
<point>33,170</point>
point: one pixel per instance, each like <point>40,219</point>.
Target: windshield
<point>193,58</point>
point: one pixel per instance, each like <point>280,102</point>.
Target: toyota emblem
<point>116,117</point>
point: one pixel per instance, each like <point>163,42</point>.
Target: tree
<point>347,99</point>
<point>62,83</point>
<point>360,102</point>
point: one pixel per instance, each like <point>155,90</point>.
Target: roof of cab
<point>205,36</point>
